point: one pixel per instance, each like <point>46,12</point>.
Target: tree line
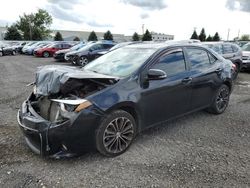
<point>203,37</point>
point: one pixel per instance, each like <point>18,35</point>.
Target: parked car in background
<point>246,56</point>
<point>119,45</point>
<point>109,101</point>
<point>241,43</point>
<point>60,54</point>
<point>42,45</point>
<point>26,46</point>
<point>6,49</point>
<point>30,50</point>
<point>19,46</point>
<point>229,51</point>
<point>49,51</point>
<point>89,53</point>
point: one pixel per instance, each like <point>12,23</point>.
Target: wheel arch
<point>228,84</point>
<point>131,108</point>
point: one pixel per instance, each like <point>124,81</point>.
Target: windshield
<point>85,47</point>
<point>246,47</point>
<point>77,47</point>
<point>121,62</point>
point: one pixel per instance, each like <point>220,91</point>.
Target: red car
<point>49,51</point>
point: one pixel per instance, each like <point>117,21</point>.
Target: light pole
<point>228,32</point>
<point>142,29</point>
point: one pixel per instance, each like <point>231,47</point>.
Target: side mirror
<point>156,74</point>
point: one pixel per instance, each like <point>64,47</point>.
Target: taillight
<point>234,66</point>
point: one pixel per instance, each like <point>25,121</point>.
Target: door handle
<point>187,80</point>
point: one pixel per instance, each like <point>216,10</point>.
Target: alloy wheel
<point>83,61</point>
<point>222,99</point>
<point>45,54</point>
<point>118,135</point>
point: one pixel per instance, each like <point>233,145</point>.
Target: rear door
<point>170,97</point>
<point>205,72</point>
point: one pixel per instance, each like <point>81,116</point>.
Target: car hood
<point>50,79</point>
<point>7,48</point>
<point>63,51</point>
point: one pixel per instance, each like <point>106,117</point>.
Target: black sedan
<point>108,102</point>
<point>88,53</point>
<point>60,55</point>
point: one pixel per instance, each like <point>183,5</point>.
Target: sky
<point>176,17</point>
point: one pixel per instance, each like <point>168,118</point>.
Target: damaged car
<point>105,104</point>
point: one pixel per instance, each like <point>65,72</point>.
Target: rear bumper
<point>65,139</point>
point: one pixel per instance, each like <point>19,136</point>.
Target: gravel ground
<point>197,150</point>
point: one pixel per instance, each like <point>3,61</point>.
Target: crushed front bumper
<point>66,139</point>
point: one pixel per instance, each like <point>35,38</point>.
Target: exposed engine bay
<point>59,90</point>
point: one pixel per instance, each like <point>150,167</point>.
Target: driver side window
<point>172,62</point>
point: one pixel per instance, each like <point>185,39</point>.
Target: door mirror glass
<point>156,74</point>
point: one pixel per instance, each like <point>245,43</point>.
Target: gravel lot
<point>197,150</point>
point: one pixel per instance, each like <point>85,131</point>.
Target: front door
<point>170,97</point>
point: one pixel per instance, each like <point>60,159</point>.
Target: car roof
<point>161,45</point>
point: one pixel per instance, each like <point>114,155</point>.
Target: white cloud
<point>176,17</point>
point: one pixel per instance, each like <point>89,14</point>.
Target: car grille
<point>245,57</point>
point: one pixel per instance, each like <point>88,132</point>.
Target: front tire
<point>115,133</point>
<point>221,100</point>
<point>83,61</point>
<point>45,54</point>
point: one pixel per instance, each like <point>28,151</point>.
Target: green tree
<point>12,33</point>
<point>209,38</point>
<point>245,37</point>
<point>92,36</point>
<point>216,37</point>
<point>194,35</point>
<point>147,36</point>
<point>108,36</point>
<point>135,37</point>
<point>58,36</point>
<point>76,39</point>
<point>35,26</point>
<point>202,36</point>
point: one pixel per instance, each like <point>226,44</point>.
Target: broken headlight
<point>70,105</point>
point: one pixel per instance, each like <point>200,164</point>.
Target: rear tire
<point>221,100</point>
<point>115,133</point>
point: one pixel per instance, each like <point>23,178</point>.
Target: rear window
<point>198,57</point>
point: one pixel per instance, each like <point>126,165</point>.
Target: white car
<point>246,56</point>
